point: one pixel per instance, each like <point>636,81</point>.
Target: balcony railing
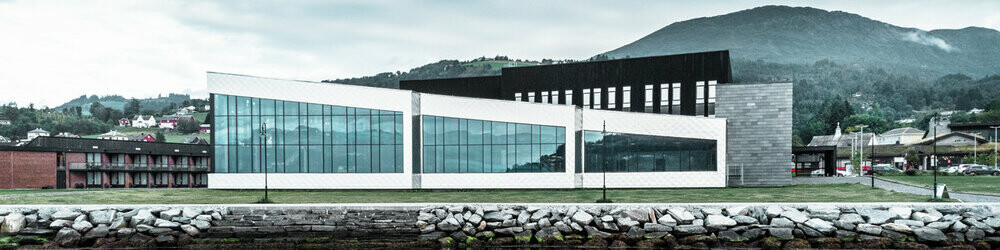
<point>136,167</point>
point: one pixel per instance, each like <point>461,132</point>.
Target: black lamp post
<point>937,121</point>
<point>604,165</point>
<point>263,140</point>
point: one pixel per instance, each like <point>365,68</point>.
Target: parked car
<point>818,172</point>
<point>846,170</point>
<point>951,169</point>
<point>884,168</point>
<point>981,170</point>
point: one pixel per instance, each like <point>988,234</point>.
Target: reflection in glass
<point>454,145</point>
<point>647,153</point>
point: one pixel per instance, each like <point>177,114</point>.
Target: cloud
<point>922,37</point>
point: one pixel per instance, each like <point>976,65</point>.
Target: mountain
<point>802,35</point>
<point>118,102</point>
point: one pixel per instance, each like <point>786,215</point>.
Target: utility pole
<point>604,165</point>
<point>975,149</point>
<point>861,146</point>
<point>873,157</point>
<point>937,121</point>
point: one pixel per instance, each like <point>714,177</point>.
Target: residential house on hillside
<point>5,122</point>
<point>205,129</point>
<point>901,136</point>
<point>182,111</point>
<point>67,135</point>
<point>143,137</point>
<point>4,140</point>
<point>36,133</point>
<point>113,135</point>
<point>124,122</point>
<point>143,121</point>
<point>194,140</point>
<point>170,121</point>
<point>953,139</point>
<point>843,140</point>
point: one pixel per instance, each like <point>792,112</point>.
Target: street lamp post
<point>861,147</point>
<point>263,140</point>
<point>604,164</point>
<point>995,135</point>
<point>872,157</point>
<point>937,121</point>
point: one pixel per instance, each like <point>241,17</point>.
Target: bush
<point>911,172</point>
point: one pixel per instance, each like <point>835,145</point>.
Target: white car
<point>818,172</point>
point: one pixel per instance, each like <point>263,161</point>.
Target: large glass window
<point>646,153</point>
<point>305,138</point>
<point>477,146</point>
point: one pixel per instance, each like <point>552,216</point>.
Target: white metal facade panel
<point>310,181</point>
<point>659,125</point>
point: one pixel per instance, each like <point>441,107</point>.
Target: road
<point>902,188</point>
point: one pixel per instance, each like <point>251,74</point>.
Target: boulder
<point>929,234</point>
<point>548,234</point>
<point>563,227</point>
<point>940,225</point>
<point>100,231</point>
<point>684,230</point>
<point>795,215</point>
<point>737,210</point>
<point>166,223</point>
<point>782,223</point>
<point>680,214</point>
<point>166,240</point>
<point>827,213</point>
<point>773,211</point>
<point>875,216</point>
<point>958,226</point>
<point>190,230</point>
<point>523,217</point>
<point>781,233</point>
<point>201,225</point>
<point>655,227</point>
<point>667,220</point>
<point>901,212</point>
<point>67,237</point>
<point>82,226</point>
<point>627,222</point>
<point>583,218</point>
<point>65,214</point>
<point>102,216</point>
<point>191,212</point>
<point>493,216</point>
<point>117,223</point>
<point>851,219</point>
<point>911,223</point>
<point>711,211</point>
<point>450,224</point>
<point>203,217</point>
<point>975,234</point>
<point>895,227</point>
<point>821,225</point>
<point>719,222</point>
<point>475,219</point>
<point>745,220</point>
<point>170,214</point>
<point>869,229</point>
<point>539,214</point>
<point>143,217</point>
<point>924,217</point>
<point>640,215</point>
<point>594,232</point>
<point>12,223</point>
<point>125,232</point>
<point>58,224</point>
<point>993,222</point>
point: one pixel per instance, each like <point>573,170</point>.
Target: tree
<point>187,127</point>
<point>160,137</point>
<point>912,158</point>
<point>132,108</point>
<point>98,111</point>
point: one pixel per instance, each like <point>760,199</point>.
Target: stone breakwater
<point>484,225</point>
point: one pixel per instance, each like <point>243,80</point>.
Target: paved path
<point>898,187</point>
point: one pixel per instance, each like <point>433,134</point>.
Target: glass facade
<point>647,153</point>
<point>455,145</point>
<point>304,137</point>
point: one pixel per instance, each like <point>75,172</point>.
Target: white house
<point>143,121</point>
<point>36,133</point>
<point>901,136</point>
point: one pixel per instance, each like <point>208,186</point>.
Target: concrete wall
<point>759,132</point>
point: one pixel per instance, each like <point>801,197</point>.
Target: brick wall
<point>20,169</point>
<point>759,132</point>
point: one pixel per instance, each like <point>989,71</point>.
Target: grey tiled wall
<point>759,132</point>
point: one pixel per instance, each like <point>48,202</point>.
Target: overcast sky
<point>53,51</point>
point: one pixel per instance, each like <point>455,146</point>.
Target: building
<point>953,139</point>
<point>55,162</point>
<point>144,121</point>
<point>840,140</point>
<point>5,122</point>
<point>67,134</point>
<point>195,140</point>
<point>143,137</point>
<point>124,122</point>
<point>113,135</point>
<point>38,132</point>
<point>5,140</point>
<point>901,136</point>
<point>334,136</point>
<point>171,121</point>
<point>984,129</point>
<point>205,128</point>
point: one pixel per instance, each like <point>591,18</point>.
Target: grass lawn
<point>976,184</point>
<point>799,193</point>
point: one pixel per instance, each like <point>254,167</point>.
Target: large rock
<point>795,215</point>
<point>719,222</point>
<point>67,237</point>
<point>563,227</point>
<point>548,233</point>
<point>782,223</point>
<point>924,217</point>
<point>901,212</point>
<point>827,213</point>
<point>191,212</point>
<point>190,230</point>
<point>680,214</point>
<point>640,215</point>
<point>940,225</point>
<point>667,220</point>
<point>12,223</point>
<point>781,233</point>
<point>58,224</point>
<point>745,220</point>
<point>626,222</point>
<point>170,214</point>
<point>143,217</point>
<point>493,216</point>
<point>851,219</point>
<point>821,225</point>
<point>583,218</point>
<point>166,223</point>
<point>539,214</point>
<point>869,229</point>
<point>201,225</point>
<point>100,231</point>
<point>684,230</point>
<point>929,234</point>
<point>450,224</point>
<point>875,216</point>
<point>896,227</point>
<point>911,223</point>
<point>65,214</point>
<point>475,219</point>
<point>993,222</point>
<point>117,223</point>
<point>102,216</point>
<point>82,226</point>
